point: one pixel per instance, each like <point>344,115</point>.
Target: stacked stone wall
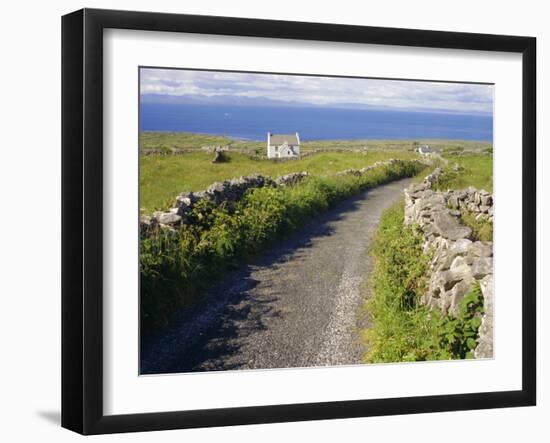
<point>458,262</point>
<point>229,191</point>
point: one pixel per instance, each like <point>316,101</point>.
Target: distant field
<point>175,141</point>
<point>163,177</point>
<point>477,172</point>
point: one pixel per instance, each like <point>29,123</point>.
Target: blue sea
<point>313,123</point>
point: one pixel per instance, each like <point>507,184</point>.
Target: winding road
<point>298,305</point>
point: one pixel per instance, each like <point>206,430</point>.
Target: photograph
<point>300,220</point>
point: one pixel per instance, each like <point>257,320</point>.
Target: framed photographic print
<point>269,221</point>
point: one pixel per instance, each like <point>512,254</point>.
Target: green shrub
<point>459,334</point>
<point>401,328</point>
<point>175,266</point>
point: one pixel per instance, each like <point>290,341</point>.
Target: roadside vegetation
<point>473,170</point>
<point>175,268</point>
<point>163,177</point>
<point>481,229</point>
<point>401,328</point>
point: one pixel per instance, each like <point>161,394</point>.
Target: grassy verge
<point>174,269</point>
<point>401,328</point>
<point>163,177</point>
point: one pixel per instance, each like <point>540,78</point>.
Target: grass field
<point>175,141</point>
<point>163,177</point>
<point>477,171</point>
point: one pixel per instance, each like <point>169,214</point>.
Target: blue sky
<point>186,86</point>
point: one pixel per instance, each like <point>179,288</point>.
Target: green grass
<point>163,177</point>
<point>475,170</point>
<point>410,145</point>
<point>175,141</point>
<point>401,328</point>
<point>176,268</point>
<point>481,229</point>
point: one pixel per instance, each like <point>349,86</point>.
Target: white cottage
<point>425,150</point>
<point>283,145</point>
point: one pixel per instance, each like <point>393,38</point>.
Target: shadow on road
<point>203,338</point>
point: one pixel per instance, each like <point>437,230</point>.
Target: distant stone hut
<point>283,145</point>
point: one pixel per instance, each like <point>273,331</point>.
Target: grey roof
<point>426,148</point>
<point>279,139</point>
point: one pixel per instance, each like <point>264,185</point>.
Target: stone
<point>477,199</point>
<point>457,249</point>
<point>481,267</point>
<point>183,200</point>
<point>484,348</point>
<point>460,247</point>
<point>486,199</point>
<point>216,187</point>
<point>481,249</point>
<point>457,294</point>
<point>451,277</point>
<point>448,226</point>
<point>458,262</point>
<point>293,178</point>
<point>219,156</point>
<point>168,218</point>
<point>453,201</point>
<point>146,224</point>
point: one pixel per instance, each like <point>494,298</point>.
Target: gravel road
<point>297,305</point>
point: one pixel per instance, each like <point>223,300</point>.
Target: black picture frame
<point>82,218</point>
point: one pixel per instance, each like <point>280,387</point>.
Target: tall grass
<point>401,328</point>
<point>175,268</point>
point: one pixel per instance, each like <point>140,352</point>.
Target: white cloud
<point>335,91</point>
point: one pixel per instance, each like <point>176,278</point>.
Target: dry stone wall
<point>217,193</point>
<point>359,172</point>
<point>479,203</point>
<point>229,191</point>
<point>458,262</point>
